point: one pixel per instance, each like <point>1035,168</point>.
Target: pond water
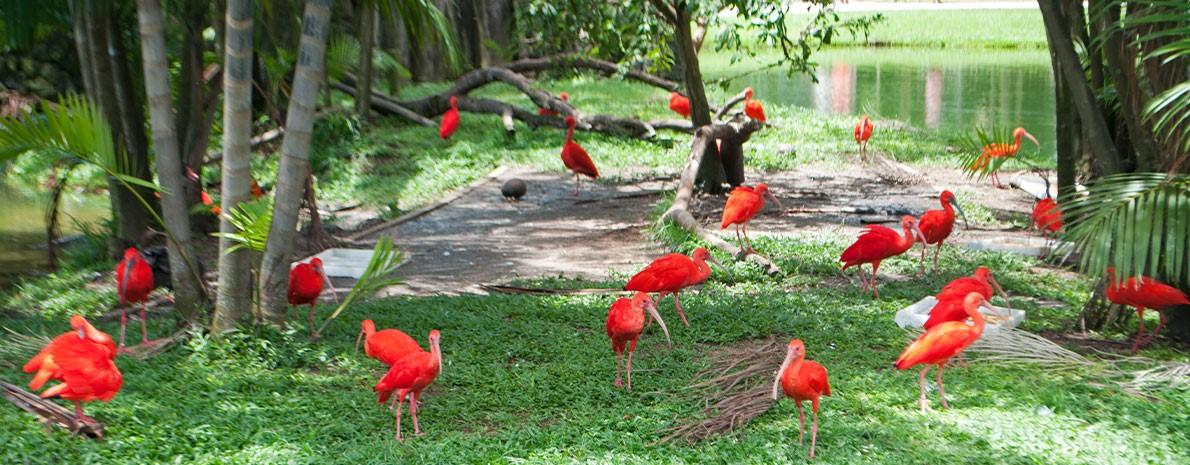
<point>22,227</point>
<point>951,91</point>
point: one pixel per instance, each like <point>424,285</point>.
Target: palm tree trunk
<point>295,159</point>
<point>235,281</point>
<point>169,159</point>
<point>367,19</point>
<point>132,125</point>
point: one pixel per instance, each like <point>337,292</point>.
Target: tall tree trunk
<point>235,280</point>
<point>367,22</point>
<point>169,159</point>
<point>1121,58</point>
<point>132,126</point>
<point>496,23</point>
<point>1068,132</point>
<point>1062,46</point>
<point>295,159</point>
<point>711,172</point>
<point>191,98</point>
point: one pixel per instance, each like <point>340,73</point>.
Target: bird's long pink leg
<point>1140,331</point>
<point>941,393</point>
<point>862,279</point>
<point>413,412</point>
<point>737,237</point>
<point>577,184</point>
<point>619,359</point>
<point>746,241</point>
<point>311,320</point>
<point>78,412</point>
<point>144,320</point>
<point>629,369</point>
<point>814,431</point>
<point>801,424</point>
<point>679,306</point>
<point>921,269</point>
<point>123,325</point>
<point>399,405</point>
<point>936,252</point>
<point>1153,333</point>
<point>925,407</point>
<point>875,291</point>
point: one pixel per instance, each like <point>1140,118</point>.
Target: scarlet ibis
<point>207,200</point>
<point>936,226</point>
<point>575,158</point>
<point>305,285</point>
<point>863,132</point>
<point>1143,293</point>
<point>386,345</point>
<point>1047,218</point>
<point>671,273</point>
<point>450,120</point>
<point>679,104</point>
<point>876,243</point>
<point>938,344</point>
<point>408,377</point>
<point>950,299</point>
<point>544,112</point>
<point>802,380</point>
<point>753,108</point>
<point>83,360</point>
<point>254,188</point>
<point>743,204</point>
<point>1001,150</point>
<point>134,280</point>
<point>625,321</point>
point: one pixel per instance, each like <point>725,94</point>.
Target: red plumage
<point>134,281</point>
<point>950,299</point>
<point>802,380</point>
<point>877,243</point>
<point>1144,293</point>
<point>863,132</point>
<point>386,345</point>
<point>575,158</point>
<point>742,205</point>
<point>625,321</point>
<point>83,360</point>
<point>450,120</point>
<point>1047,217</point>
<point>544,112</point>
<point>305,285</point>
<point>938,344</point>
<point>1001,150</point>
<point>753,108</point>
<point>671,273</point>
<point>408,376</point>
<point>936,226</point>
<point>679,104</point>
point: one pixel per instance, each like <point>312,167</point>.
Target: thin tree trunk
<point>132,126</point>
<point>1068,132</point>
<point>295,159</point>
<point>367,19</point>
<point>1121,65</point>
<point>191,96</point>
<point>169,159</point>
<point>235,280</point>
<point>78,13</point>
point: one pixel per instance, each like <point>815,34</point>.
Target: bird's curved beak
<point>1030,136</point>
<point>82,332</point>
<point>960,209</point>
<point>437,350</point>
<point>718,265</point>
<point>994,310</point>
<point>999,289</point>
<point>329,285</point>
<point>357,339</point>
<point>652,309</point>
<point>771,196</point>
<point>789,356</point>
<point>918,235</point>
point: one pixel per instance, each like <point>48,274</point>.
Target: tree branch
<point>594,64</point>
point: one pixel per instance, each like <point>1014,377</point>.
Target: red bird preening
<point>938,344</point>
<point>671,273</point>
<point>753,108</point>
<point>134,281</point>
<point>863,132</point>
<point>679,104</point>
<point>743,204</point>
<point>450,120</point>
<point>625,321</point>
<point>83,360</point>
<point>936,226</point>
<point>802,380</point>
<point>305,285</point>
<point>950,299</point>
<point>544,112</point>
<point>386,345</point>
<point>1143,293</point>
<point>1001,150</point>
<point>876,243</point>
<point>408,377</point>
<point>575,158</point>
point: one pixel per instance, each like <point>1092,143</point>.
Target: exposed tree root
<point>51,414</point>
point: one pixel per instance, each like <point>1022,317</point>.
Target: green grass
<point>986,29</point>
<point>527,379</point>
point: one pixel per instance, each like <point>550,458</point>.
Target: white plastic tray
<point>916,315</point>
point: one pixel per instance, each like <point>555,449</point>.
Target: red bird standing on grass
<point>1143,293</point>
<point>936,226</point>
<point>83,360</point>
<point>863,132</point>
<point>753,108</point>
<point>938,344</point>
<point>408,377</point>
<point>877,243</point>
<point>305,285</point>
<point>450,120</point>
<point>386,345</point>
<point>802,380</point>
<point>544,112</point>
<point>671,273</point>
<point>134,281</point>
<point>743,204</point>
<point>625,321</point>
<point>950,299</point>
<point>1047,218</point>
<point>575,158</point>
<point>679,104</point>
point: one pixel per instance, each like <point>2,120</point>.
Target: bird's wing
<point>817,377</point>
<point>948,309</point>
<point>618,308</point>
<point>390,345</point>
<point>934,225</point>
<point>875,241</point>
<point>937,344</point>
<point>402,373</point>
<point>741,206</point>
<point>576,158</point>
<point>86,368</point>
<point>666,273</point>
<point>959,288</point>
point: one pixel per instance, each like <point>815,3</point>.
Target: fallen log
<point>606,67</point>
<point>51,414</point>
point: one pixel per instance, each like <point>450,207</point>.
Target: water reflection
<point>22,227</point>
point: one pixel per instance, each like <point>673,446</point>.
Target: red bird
<point>134,280</point>
<point>83,360</point>
<point>938,344</point>
<point>743,204</point>
<point>544,112</point>
<point>679,104</point>
<point>876,243</point>
<point>1001,150</point>
<point>802,380</point>
<point>386,345</point>
<point>863,132</point>
<point>1047,217</point>
<point>1142,294</point>
<point>671,273</point>
<point>254,188</point>
<point>950,299</point>
<point>575,158</point>
<point>305,284</point>
<point>450,120</point>
<point>408,376</point>
<point>936,226</point>
<point>753,108</point>
<point>625,321</point>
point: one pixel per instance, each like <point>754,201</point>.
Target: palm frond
<point>385,261</point>
<point>424,21</point>
<point>1137,222</point>
<point>971,148</point>
<point>252,221</point>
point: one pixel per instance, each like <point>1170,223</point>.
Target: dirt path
<point>482,238</point>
